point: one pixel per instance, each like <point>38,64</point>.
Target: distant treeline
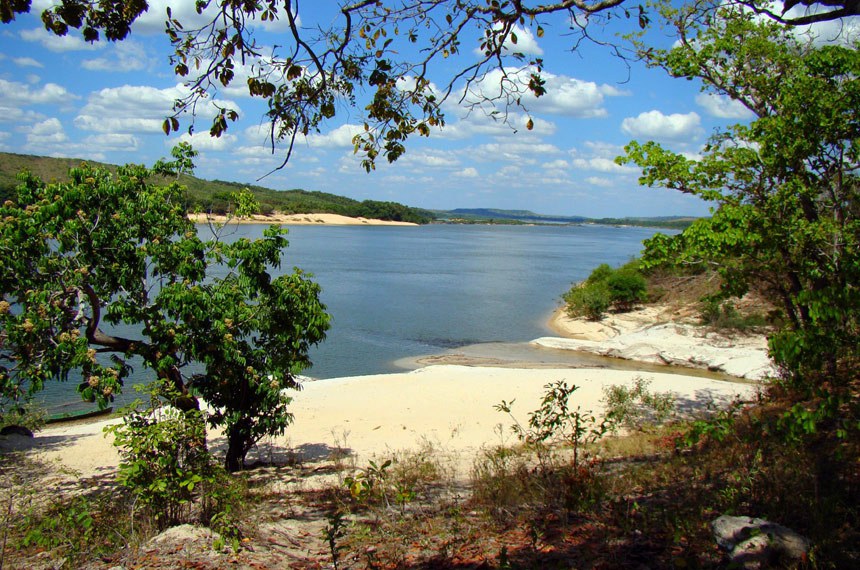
<point>667,223</point>
<point>213,195</point>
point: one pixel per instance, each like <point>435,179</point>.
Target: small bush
<point>166,465</point>
<point>722,314</point>
<point>626,289</point>
<point>620,289</point>
<point>589,301</point>
<point>637,407</point>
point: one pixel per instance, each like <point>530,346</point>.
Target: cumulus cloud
<point>136,109</point>
<point>46,133</point>
<point>656,125</point>
<point>723,107</point>
<point>13,93</point>
<point>341,137</point>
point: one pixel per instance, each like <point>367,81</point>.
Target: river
<point>396,293</point>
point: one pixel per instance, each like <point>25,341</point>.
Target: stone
<point>754,543</point>
<point>16,430</point>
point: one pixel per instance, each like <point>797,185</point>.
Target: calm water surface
<point>401,292</point>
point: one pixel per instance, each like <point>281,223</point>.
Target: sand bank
<point>298,219</point>
<point>448,407</point>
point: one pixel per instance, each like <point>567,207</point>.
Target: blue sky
<point>106,102</point>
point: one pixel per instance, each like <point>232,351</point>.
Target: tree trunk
<point>236,449</point>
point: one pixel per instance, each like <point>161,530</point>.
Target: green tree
<point>785,187</point>
<point>82,262</point>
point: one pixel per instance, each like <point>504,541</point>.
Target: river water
<point>396,293</point>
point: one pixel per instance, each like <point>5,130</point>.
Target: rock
<point>680,345</point>
<point>756,543</point>
<point>16,430</point>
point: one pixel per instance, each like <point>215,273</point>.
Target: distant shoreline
<point>297,220</point>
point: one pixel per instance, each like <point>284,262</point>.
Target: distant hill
<point>479,215</point>
<point>213,195</point>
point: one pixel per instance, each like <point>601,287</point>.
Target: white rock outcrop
<point>680,345</point>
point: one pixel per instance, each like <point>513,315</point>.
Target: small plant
<point>722,314</point>
<point>637,407</point>
<point>555,422</point>
<point>332,533</point>
<point>165,463</point>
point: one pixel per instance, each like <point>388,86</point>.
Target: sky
<point>63,97</point>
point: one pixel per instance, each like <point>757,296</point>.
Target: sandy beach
<point>450,408</point>
<point>297,220</point>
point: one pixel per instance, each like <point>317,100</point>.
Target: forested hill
<point>212,195</point>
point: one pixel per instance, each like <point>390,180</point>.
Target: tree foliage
<point>105,268</point>
<point>785,187</point>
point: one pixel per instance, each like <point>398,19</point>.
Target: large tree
<point>107,268</point>
<point>785,187</point>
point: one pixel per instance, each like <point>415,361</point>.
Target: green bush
<point>589,301</point>
<point>165,463</point>
<point>620,289</point>
<point>626,289</point>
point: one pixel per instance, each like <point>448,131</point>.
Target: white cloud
<point>514,152</point>
<point>598,181</point>
<point>46,133</point>
<point>469,172</point>
<point>123,56</point>
<point>18,116</point>
<point>656,125</point>
<point>136,109</point>
<point>26,62</point>
<point>723,107</point>
<point>20,94</point>
<point>556,164</point>
<point>55,43</point>
<point>566,96</point>
<point>341,137</point>
<point>433,158</point>
<point>204,141</point>
<point>602,164</point>
<point>111,141</point>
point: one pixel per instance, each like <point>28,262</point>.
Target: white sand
<point>450,407</point>
<point>298,220</point>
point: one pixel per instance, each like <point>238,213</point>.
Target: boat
<point>78,415</point>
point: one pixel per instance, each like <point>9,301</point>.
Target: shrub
<point>166,465</point>
<point>619,289</point>
<point>626,288</point>
<point>589,301</point>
